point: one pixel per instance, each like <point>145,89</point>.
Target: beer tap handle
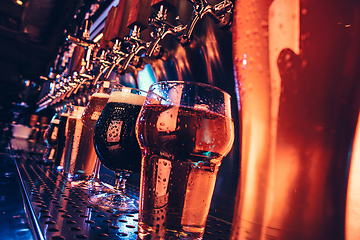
<point>76,59</point>
<point>137,45</point>
<point>119,29</point>
<point>139,14</point>
<point>104,65</point>
<point>119,56</point>
<point>162,27</point>
<point>138,21</point>
<point>105,42</point>
<point>169,5</point>
<point>118,32</point>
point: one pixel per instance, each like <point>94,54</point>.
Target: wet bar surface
<point>55,210</point>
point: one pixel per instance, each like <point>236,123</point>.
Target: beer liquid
<point>182,150</point>
<point>61,137</point>
<point>114,137</point>
<point>79,153</point>
<point>51,139</point>
<point>93,109</point>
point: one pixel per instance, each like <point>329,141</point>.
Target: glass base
<point>93,185</point>
<point>115,200</point>
<point>161,232</point>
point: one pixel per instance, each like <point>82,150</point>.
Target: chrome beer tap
<point>162,28</point>
<point>90,47</point>
<point>137,46</point>
<point>221,13</point>
<point>118,55</point>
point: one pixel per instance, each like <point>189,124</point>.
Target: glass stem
<point>120,180</point>
<point>96,171</point>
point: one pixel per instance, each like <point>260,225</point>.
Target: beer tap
<point>162,27</point>
<point>137,45</point>
<point>221,13</point>
<point>118,55</point>
<point>137,22</point>
<point>89,46</point>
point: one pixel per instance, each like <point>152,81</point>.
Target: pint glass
<point>79,153</point>
<point>298,80</point>
<point>184,130</point>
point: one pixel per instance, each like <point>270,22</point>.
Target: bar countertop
<point>38,202</point>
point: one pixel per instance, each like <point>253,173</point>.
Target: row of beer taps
<point>130,50</point>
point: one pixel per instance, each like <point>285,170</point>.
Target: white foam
<point>126,97</point>
<point>100,95</point>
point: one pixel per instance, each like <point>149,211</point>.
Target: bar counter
<point>38,202</point>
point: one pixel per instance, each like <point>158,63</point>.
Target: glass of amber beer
<point>184,130</point>
<point>116,145</point>
<point>89,118</point>
<point>79,153</point>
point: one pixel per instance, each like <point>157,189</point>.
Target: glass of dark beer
<point>117,147</point>
<point>184,130</point>
<point>89,118</point>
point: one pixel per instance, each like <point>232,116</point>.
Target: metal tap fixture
<point>221,13</point>
<point>137,45</point>
<point>117,55</point>
<point>131,50</point>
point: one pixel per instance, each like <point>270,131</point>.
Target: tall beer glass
<point>51,140</point>
<point>298,80</point>
<point>89,118</point>
<point>116,145</point>
<point>79,154</point>
<point>184,130</point>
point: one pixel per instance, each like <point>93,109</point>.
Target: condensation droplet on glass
<point>303,63</point>
<point>264,24</point>
<point>287,57</point>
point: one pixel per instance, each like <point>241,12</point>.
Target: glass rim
<point>189,82</point>
<point>119,86</point>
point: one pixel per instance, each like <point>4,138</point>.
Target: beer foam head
<point>100,95</point>
<point>126,97</point>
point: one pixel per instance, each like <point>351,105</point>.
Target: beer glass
<point>61,136</point>
<point>89,117</point>
<point>79,153</point>
<point>298,81</point>
<point>51,140</point>
<point>184,130</point>
<point>116,145</point>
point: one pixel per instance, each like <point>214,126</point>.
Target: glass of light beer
<point>116,145</point>
<point>184,130</point>
<point>79,153</point>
